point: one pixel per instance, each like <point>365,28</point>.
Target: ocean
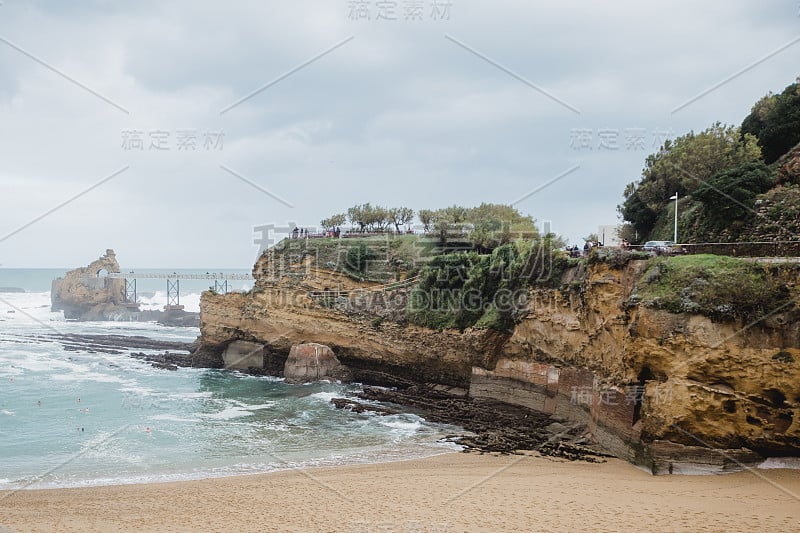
<point>70,417</point>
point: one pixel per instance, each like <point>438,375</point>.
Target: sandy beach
<point>448,493</point>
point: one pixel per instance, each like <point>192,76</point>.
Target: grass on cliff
<point>723,288</point>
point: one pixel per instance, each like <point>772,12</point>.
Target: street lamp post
<point>675,236</point>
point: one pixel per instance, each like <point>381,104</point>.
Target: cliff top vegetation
<point>726,177</point>
<point>723,288</point>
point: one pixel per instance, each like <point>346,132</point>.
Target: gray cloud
<point>399,114</point>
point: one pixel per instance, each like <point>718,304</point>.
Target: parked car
<point>659,247</point>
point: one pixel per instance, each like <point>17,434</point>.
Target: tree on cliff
<point>775,121</point>
<point>426,216</point>
<point>368,217</point>
<point>334,221</point>
<point>682,166</point>
<point>728,198</point>
<point>400,216</point>
<point>356,216</point>
<point>497,224</point>
<point>488,225</point>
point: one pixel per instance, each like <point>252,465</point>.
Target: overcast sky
<point>553,105</point>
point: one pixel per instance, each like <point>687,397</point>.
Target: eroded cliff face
<point>280,312</point>
<point>653,376</point>
<point>659,389</point>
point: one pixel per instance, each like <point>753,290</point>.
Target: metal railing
<point>175,275</point>
<point>354,293</point>
<point>735,249</point>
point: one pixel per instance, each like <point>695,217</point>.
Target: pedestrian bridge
<point>173,280</point>
<point>174,275</point>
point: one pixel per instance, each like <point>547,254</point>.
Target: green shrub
<point>358,256</point>
<point>468,289</point>
<point>723,288</point>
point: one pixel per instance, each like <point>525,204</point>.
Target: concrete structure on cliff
<point>672,392</point>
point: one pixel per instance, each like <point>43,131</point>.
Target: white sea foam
<point>190,438</point>
<point>136,389</point>
<point>402,426</point>
<point>450,445</point>
<point>28,308</point>
<point>262,406</point>
<point>275,426</point>
<point>190,302</point>
<point>237,409</point>
<point>10,372</point>
<point>326,397</point>
<point>172,418</point>
<point>792,463</point>
<point>228,414</point>
<point>190,395</point>
<point>32,307</point>
<point>40,363</point>
<point>87,376</point>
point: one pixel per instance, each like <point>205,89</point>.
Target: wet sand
<point>448,493</point>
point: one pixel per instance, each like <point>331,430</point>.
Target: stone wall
<point>571,393</point>
<point>243,355</point>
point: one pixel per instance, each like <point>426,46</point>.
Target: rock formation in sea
<point>88,294</point>
<point>312,362</point>
<point>673,391</point>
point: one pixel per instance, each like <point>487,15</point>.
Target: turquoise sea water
<point>71,418</point>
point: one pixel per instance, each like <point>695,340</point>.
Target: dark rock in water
<point>164,366</point>
<point>173,317</point>
<point>359,407</point>
<point>113,344</point>
<point>166,360</point>
<point>495,426</point>
<point>11,289</point>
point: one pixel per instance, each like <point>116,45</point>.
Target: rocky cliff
<point>281,312</point>
<point>85,293</point>
<point>671,391</point>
